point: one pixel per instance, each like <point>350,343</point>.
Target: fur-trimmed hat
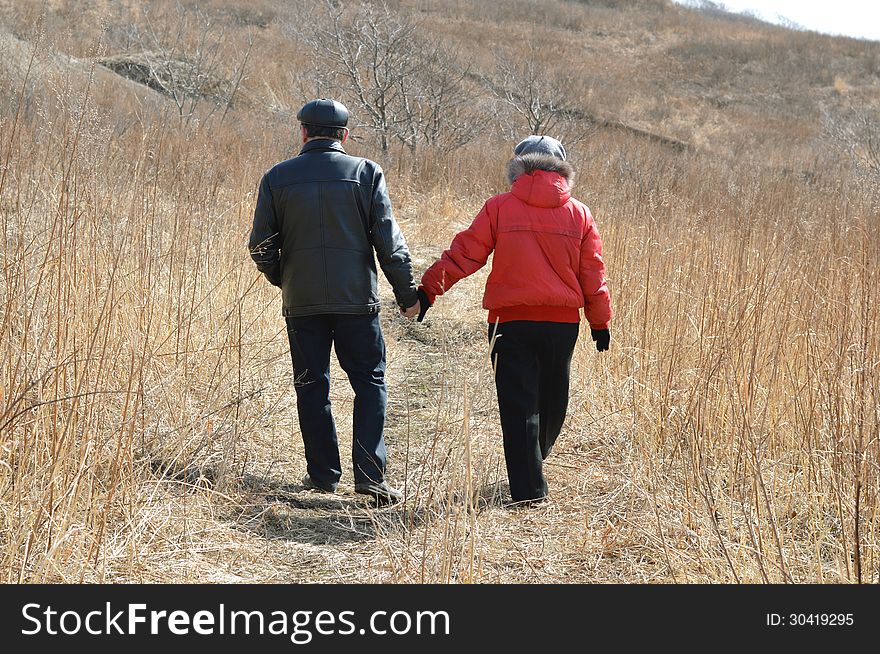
<point>540,145</point>
<point>529,163</point>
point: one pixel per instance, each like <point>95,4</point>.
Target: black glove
<point>602,338</point>
<point>424,303</point>
<point>275,280</point>
<point>273,274</point>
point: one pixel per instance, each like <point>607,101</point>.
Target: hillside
<point>147,419</point>
<point>723,84</point>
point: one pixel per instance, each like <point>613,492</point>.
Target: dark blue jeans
<point>360,349</point>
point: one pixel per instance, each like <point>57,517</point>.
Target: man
<point>319,217</point>
<point>547,265</point>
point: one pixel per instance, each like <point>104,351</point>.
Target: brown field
<point>147,419</point>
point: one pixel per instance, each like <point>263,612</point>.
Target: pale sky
<point>858,18</point>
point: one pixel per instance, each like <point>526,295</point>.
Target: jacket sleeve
<point>265,240</point>
<point>390,245</point>
<point>468,253</point>
<point>597,298</point>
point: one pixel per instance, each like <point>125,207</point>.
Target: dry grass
<point>147,421</point>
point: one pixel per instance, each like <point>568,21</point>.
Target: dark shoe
<point>311,484</point>
<point>524,504</point>
<point>382,493</point>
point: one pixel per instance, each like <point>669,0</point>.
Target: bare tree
<point>523,86</point>
<point>403,87</point>
<point>440,110</point>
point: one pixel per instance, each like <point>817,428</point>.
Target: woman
<point>547,265</point>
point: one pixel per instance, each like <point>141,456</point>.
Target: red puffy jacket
<point>548,253</point>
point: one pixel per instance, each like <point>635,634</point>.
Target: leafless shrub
<point>260,17</point>
<point>856,129</point>
<point>185,60</point>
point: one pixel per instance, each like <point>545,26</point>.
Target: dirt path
<point>456,525</point>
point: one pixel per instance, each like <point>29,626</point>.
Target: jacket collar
<point>322,145</point>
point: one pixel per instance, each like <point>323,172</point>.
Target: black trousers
<point>360,349</point>
<point>532,362</point>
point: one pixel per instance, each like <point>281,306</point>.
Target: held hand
<point>412,311</point>
<point>424,302</point>
<point>602,338</point>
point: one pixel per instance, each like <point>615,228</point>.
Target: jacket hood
<point>540,180</point>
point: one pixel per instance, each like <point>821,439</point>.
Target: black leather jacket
<point>319,217</point>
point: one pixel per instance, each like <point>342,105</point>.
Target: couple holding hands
<point>323,218</point>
